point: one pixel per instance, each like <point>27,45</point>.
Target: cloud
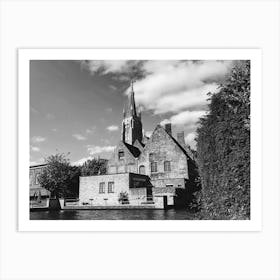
<point>81,161</point>
<point>166,86</point>
<point>113,87</point>
<point>148,133</point>
<point>54,129</point>
<point>79,137</point>
<point>123,70</point>
<point>90,130</point>
<point>172,86</point>
<point>38,161</point>
<point>33,110</point>
<point>190,140</point>
<point>186,118</point>
<point>109,109</point>
<point>99,149</point>
<point>112,128</point>
<point>50,116</point>
<point>35,149</point>
<point>38,139</point>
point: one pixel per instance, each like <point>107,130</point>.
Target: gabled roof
<point>38,165</point>
<point>139,145</point>
<point>134,150</point>
<point>174,140</point>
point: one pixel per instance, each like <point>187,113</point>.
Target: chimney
<point>168,128</point>
<point>181,139</point>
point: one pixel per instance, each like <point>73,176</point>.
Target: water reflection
<point>141,214</point>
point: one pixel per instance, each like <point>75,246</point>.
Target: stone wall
<point>126,164</point>
<point>164,148</point>
<point>89,189</point>
<point>90,192</point>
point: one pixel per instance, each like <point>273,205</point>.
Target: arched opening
<point>142,170</point>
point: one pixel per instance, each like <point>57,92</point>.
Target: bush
<point>223,148</point>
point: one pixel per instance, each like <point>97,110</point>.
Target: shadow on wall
<point>187,198</point>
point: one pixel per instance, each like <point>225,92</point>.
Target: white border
<point>24,57</point>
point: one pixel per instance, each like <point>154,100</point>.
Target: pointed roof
<point>133,150</point>
<point>174,140</point>
<point>130,107</point>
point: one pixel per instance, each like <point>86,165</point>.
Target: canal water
<point>135,214</point>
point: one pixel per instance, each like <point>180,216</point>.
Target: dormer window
<point>121,154</point>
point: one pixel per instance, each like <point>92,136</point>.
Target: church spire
<point>130,110</point>
<point>131,125</point>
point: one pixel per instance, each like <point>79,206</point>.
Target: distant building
<point>164,166</point>
<point>36,192</point>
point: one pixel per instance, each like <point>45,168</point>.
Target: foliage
<point>94,167</point>
<point>59,177</point>
<point>223,148</point>
<point>123,197</point>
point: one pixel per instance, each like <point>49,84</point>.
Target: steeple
<point>131,124</point>
<point>130,108</point>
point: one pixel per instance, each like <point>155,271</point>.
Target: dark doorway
<point>165,202</point>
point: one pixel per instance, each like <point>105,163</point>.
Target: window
<point>167,166</point>
<point>142,169</point>
<point>169,185</point>
<point>36,179</point>
<point>151,157</point>
<point>102,187</point>
<point>110,187</point>
<point>121,154</point>
<point>153,167</point>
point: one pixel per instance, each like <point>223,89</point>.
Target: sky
<point>76,107</point>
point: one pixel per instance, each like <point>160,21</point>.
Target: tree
<point>223,148</point>
<point>94,167</point>
<point>59,177</point>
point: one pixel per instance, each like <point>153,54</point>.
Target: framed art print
<point>140,139</point>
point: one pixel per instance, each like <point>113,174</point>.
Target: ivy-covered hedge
<point>223,148</point>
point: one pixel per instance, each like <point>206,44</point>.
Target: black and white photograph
<point>139,139</point>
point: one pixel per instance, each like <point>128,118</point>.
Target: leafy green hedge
<point>223,148</point>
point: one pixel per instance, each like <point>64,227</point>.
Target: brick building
<point>36,192</point>
<point>166,163</point>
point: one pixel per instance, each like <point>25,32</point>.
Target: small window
<point>142,169</point>
<point>37,179</point>
<point>110,187</point>
<point>151,157</point>
<point>169,185</point>
<point>121,154</point>
<point>153,167</point>
<point>167,166</point>
<point>102,187</point>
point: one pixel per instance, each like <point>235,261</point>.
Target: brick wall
<point>126,164</point>
<point>163,148</point>
<point>89,189</point>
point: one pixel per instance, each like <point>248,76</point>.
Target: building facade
<point>165,162</point>
<point>36,192</point>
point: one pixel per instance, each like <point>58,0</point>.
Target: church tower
<point>131,124</point>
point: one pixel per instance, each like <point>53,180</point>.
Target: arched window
<point>167,166</point>
<point>142,169</point>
